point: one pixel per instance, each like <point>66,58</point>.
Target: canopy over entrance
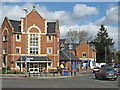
<point>34,59</point>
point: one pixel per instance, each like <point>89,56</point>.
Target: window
<point>5,51</point>
<point>5,38</point>
<point>84,54</point>
<point>49,38</point>
<point>17,50</point>
<point>49,50</point>
<point>34,42</point>
<point>18,37</point>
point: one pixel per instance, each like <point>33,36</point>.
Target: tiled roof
<point>67,56</point>
<point>51,27</point>
<point>75,45</point>
<point>17,29</point>
<point>34,58</point>
<point>62,41</point>
<point>16,26</point>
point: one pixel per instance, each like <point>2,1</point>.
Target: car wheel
<point>96,77</point>
<point>115,78</point>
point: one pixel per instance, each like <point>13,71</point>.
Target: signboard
<point>28,59</point>
<point>74,65</point>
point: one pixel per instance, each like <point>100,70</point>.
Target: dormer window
<point>5,38</point>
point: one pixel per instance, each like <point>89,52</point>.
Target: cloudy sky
<point>71,15</point>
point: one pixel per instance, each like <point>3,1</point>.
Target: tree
<point>103,44</point>
<point>72,36</point>
<point>76,36</point>
<point>83,36</point>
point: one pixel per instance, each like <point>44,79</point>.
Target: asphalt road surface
<point>83,81</point>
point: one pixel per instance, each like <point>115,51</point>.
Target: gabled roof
<point>67,56</point>
<point>75,45</point>
<point>62,41</point>
<point>16,25</point>
<point>51,27</point>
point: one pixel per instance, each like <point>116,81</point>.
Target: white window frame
<point>48,50</point>
<point>5,38</point>
<point>19,37</point>
<point>5,51</point>
<point>35,43</point>
<point>58,51</point>
<point>83,54</point>
<point>19,50</point>
<point>51,38</point>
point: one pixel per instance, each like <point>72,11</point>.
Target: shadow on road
<point>103,79</point>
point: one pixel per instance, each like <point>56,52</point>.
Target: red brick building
<point>83,51</point>
<point>31,42</point>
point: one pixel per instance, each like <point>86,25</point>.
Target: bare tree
<point>76,36</point>
<point>84,36</point>
<point>72,36</point>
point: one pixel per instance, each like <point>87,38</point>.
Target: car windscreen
<point>31,69</point>
<point>110,69</point>
<point>36,69</point>
<point>96,67</point>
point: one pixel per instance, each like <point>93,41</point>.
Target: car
<point>116,65</point>
<point>95,69</point>
<point>106,73</point>
<point>33,70</point>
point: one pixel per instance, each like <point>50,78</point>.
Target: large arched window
<point>34,39</point>
<point>34,43</point>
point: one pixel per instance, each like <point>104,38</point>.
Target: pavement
<point>80,73</point>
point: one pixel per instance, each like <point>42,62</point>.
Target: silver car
<point>106,73</point>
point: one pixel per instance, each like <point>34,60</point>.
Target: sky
<point>86,16</point>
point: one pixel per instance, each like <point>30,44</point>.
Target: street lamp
<point>105,56</point>
<point>70,48</point>
<point>26,42</point>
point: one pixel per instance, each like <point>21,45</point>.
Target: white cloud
<point>67,20</point>
<point>10,0</point>
<point>92,29</point>
<point>110,18</point>
<point>81,10</point>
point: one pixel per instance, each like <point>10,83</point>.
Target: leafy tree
<point>103,44</point>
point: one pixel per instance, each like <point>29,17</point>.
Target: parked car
<point>106,73</point>
<point>95,69</point>
<point>34,70</point>
<point>116,65</point>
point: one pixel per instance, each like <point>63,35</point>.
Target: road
<point>83,81</point>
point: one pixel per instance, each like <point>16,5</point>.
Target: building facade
<point>83,51</point>
<point>32,42</point>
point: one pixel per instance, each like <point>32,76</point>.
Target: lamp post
<point>26,42</point>
<point>105,56</point>
<point>70,48</point>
